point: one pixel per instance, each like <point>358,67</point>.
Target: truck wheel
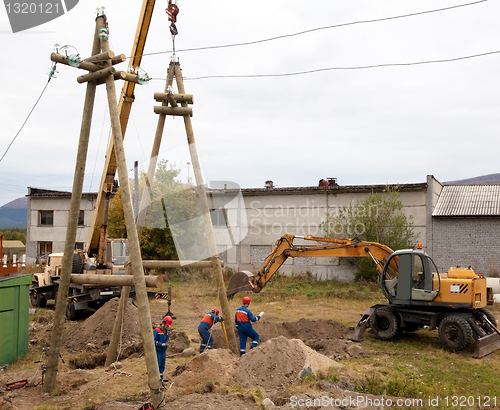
<point>455,333</point>
<point>385,323</point>
<point>77,264</point>
<point>71,312</point>
<point>38,300</point>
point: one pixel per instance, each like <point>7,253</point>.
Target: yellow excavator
<point>417,295</point>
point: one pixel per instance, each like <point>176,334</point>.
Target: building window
<point>219,217</point>
<point>46,218</point>
<point>81,218</point>
<point>44,248</point>
<point>79,246</point>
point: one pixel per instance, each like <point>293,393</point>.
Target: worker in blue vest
<point>161,335</point>
<point>244,319</point>
<point>204,329</point>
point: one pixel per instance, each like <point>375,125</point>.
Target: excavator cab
<point>415,280</point>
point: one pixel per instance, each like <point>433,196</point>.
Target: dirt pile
<point>327,337</point>
<point>177,342</point>
<point>88,341</point>
<point>278,362</point>
<point>218,366</point>
<point>94,333</point>
<point>273,365</point>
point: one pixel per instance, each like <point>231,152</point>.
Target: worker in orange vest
<point>204,329</point>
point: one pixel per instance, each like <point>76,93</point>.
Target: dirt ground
<point>204,381</point>
<point>290,355</point>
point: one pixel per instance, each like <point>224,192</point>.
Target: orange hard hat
<point>246,300</point>
<point>168,320</point>
<point>216,311</point>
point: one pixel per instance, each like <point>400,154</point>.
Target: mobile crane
<point>417,295</point>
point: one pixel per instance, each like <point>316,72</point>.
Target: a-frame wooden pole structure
<point>101,43</point>
<point>170,106</point>
<point>76,195</point>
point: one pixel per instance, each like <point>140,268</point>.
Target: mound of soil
<point>273,365</point>
<point>327,337</point>
<point>177,342</point>
<point>218,366</point>
<point>94,333</point>
<point>277,363</point>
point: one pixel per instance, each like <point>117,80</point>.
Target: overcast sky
<point>389,124</point>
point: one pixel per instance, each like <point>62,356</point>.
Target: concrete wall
<point>269,214</point>
<point>467,242</point>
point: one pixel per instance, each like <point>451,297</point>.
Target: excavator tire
<point>385,323</point>
<point>488,315</point>
<point>455,333</point>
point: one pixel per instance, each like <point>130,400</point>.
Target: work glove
<point>221,319</point>
<point>261,314</point>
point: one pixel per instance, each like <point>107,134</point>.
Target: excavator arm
<point>98,226</point>
<point>331,247</point>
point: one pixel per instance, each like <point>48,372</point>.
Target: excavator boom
<point>284,248</point>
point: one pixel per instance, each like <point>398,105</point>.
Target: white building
<point>454,228</point>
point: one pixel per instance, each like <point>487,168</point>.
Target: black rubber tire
<point>455,333</point>
<point>488,314</point>
<point>385,323</point>
<point>77,264</point>
<point>37,300</point>
<point>71,312</point>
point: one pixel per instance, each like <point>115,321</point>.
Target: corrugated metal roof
<point>468,200</point>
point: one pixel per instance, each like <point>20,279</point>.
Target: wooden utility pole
<point>154,382</point>
<point>97,73</point>
<point>69,246</point>
<point>140,219</point>
<point>207,221</point>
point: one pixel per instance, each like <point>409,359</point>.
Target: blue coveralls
<point>244,319</point>
<point>204,330</point>
<point>161,336</point>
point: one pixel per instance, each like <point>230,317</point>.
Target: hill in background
<point>14,214</point>
<point>491,179</point>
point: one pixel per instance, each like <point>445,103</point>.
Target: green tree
<point>378,218</point>
<point>14,234</point>
<point>116,217</point>
<point>169,197</point>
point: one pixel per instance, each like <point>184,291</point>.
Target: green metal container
<point>14,316</point>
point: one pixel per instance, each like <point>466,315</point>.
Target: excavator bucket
<point>239,282</point>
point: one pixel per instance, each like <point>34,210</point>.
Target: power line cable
<point>341,68</point>
<point>26,120</point>
<point>318,29</point>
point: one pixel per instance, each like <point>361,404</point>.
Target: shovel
<point>225,334</point>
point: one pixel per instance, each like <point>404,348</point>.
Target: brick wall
<point>467,242</point>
